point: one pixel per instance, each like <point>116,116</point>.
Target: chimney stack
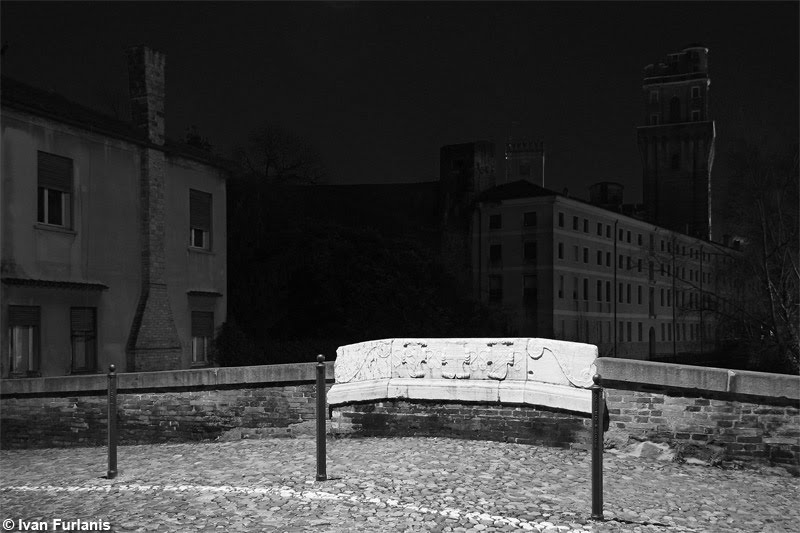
<point>153,343</point>
<point>146,83</point>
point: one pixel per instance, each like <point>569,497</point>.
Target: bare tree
<point>280,156</point>
<point>761,300</point>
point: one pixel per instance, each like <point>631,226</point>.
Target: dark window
<point>200,219</point>
<point>674,109</point>
<point>560,286</point>
<point>55,190</point>
<point>202,335</point>
<point>599,257</point>
<point>621,233</point>
<point>530,291</point>
<point>585,255</point>
<point>599,290</point>
<point>575,222</point>
<point>495,254</point>
<point>495,289</point>
<point>629,236</point>
<point>639,294</point>
<point>620,295</point>
<point>585,226</point>
<point>495,221</point>
<point>561,220</point>
<point>530,252</point>
<point>639,239</point>
<point>608,291</point>
<point>600,229</point>
<point>628,299</point>
<point>608,231</point>
<point>561,250</point>
<point>608,259</point>
<point>639,265</point>
<point>529,219</point>
<point>695,92</point>
<point>695,115</point>
<point>23,340</point>
<point>574,288</point>
<point>83,329</point>
<point>585,289</point>
<point>640,332</point>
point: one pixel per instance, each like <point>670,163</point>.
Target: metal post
<point>597,449</point>
<point>112,422</point>
<point>321,474</point>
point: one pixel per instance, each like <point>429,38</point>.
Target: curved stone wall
<point>541,372</point>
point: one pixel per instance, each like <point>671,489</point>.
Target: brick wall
<point>752,415</point>
<point>524,424</point>
<point>745,429</point>
<point>185,405</point>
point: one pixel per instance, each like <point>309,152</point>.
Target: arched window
<point>674,109</point>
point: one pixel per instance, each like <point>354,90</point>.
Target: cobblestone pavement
<point>382,485</point>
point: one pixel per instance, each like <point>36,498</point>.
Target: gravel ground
<point>401,484</point>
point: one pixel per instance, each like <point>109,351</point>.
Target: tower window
<point>695,115</point>
<point>653,97</point>
<point>695,92</point>
<point>529,219</point>
<point>495,221</point>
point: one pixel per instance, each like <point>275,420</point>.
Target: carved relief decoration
<point>363,361</point>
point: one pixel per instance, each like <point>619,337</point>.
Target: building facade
<point>566,269</point>
<point>677,143</point>
<point>113,237</point>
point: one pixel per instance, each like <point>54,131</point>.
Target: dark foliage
<point>305,282</point>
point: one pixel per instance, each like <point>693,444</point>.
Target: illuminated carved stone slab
<point>519,370</point>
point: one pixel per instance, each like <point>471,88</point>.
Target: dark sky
<point>379,87</point>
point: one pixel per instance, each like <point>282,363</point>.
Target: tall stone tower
<point>525,161</point>
<point>677,142</point>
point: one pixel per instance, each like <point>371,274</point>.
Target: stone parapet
<point>531,371</point>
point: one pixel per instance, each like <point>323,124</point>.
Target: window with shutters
<point>199,219</point>
<point>23,339</point>
<point>83,328</point>
<point>202,335</point>
<point>55,190</point>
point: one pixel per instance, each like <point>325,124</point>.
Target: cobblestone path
<point>382,485</point>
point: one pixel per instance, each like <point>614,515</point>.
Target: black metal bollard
<point>321,474</point>
<point>597,449</point>
<point>112,422</point>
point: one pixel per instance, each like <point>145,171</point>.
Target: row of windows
<point>594,331</point>
<point>528,220</point>
<point>530,289</point>
<point>24,326</point>
<point>655,94</point>
<point>54,200</point>
<point>579,224</point>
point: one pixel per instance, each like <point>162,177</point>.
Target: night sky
<point>380,87</point>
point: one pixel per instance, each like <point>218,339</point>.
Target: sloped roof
<point>49,104</point>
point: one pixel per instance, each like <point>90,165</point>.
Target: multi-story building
<point>677,143</point>
<point>113,237</point>
<point>566,269</point>
<point>637,283</point>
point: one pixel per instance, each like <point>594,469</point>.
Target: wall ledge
<point>170,379</point>
<point>699,378</point>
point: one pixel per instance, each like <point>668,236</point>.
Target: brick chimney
<point>146,82</point>
<point>153,343</point>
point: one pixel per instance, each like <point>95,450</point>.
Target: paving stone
<point>404,484</point>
